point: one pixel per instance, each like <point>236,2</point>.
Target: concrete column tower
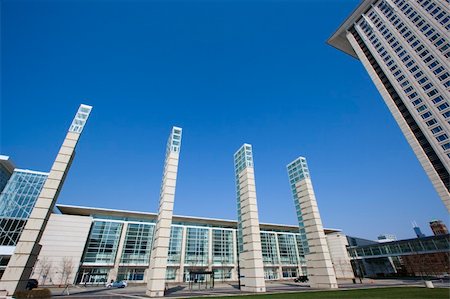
<point>27,250</point>
<point>318,260</point>
<point>249,239</point>
<point>158,259</point>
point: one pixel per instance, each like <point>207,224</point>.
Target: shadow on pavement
<point>87,292</point>
<point>173,290</point>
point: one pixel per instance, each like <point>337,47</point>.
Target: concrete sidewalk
<point>229,289</point>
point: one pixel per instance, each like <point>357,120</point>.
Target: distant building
<point>438,227</point>
<point>6,170</point>
<point>386,238</point>
<point>430,264</point>
<point>417,230</point>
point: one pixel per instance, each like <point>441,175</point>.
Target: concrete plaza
<point>230,289</point>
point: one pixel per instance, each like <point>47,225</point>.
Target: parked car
<point>303,278</point>
<point>31,284</point>
<point>117,284</point>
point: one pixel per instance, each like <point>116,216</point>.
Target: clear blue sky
<point>228,72</point>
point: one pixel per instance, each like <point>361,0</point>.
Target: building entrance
<point>201,280</point>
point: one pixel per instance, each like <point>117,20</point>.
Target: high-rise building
<point>404,46</point>
<point>251,266</point>
<point>6,170</point>
<point>417,230</point>
<point>438,227</point>
<point>16,203</point>
<point>314,243</point>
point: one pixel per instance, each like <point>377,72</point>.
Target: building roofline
<point>295,160</point>
<point>31,171</point>
<point>338,39</point>
<point>243,145</point>
<point>402,241</point>
<point>7,163</point>
<point>87,211</point>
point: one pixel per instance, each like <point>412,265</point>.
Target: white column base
<point>155,293</point>
<point>253,289</point>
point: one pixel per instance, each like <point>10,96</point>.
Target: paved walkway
<point>225,289</point>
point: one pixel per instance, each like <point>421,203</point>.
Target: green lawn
<point>381,293</point>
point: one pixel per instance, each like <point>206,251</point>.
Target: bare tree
<point>43,269</point>
<point>66,268</point>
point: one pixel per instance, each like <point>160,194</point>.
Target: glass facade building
<point>195,244</point>
<point>16,203</point>
<point>405,48</point>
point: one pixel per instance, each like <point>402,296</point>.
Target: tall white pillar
<point>27,250</point>
<point>318,260</point>
<point>158,259</point>
<point>249,238</point>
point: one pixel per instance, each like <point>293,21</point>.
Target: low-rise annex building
<point>90,239</point>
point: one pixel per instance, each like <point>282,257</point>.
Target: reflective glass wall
<point>197,240</point>
<point>16,203</point>
<point>102,244</point>
<point>191,248</point>
<point>138,244</point>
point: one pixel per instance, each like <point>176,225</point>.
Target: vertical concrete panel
<point>62,243</point>
<point>337,245</point>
